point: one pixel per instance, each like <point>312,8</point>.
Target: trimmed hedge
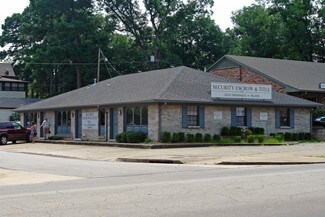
<point>207,138</point>
<point>131,137</point>
<point>216,137</point>
<point>165,137</point>
<point>175,138</point>
<point>198,137</point>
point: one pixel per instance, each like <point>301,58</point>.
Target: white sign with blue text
<point>241,91</point>
<point>90,120</point>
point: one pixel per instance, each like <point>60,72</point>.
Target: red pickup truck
<point>11,131</point>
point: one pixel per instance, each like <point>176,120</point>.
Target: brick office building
<point>297,78</point>
<point>178,99</point>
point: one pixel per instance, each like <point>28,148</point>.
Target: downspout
<point>159,120</point>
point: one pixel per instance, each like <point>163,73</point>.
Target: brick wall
<point>246,76</point>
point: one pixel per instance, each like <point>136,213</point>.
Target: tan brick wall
<point>153,122</point>
<point>246,76</point>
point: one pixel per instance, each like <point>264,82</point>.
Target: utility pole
<point>98,65</point>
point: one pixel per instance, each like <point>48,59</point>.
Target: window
<point>1,85</point>
<point>241,116</point>
<point>193,116</point>
<point>21,86</point>
<point>7,86</point>
<point>137,116</point>
<point>14,86</point>
<point>284,117</point>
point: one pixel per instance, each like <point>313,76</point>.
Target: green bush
<point>248,132</point>
<point>225,131</point>
<point>318,113</point>
<point>56,138</point>
<point>288,136</point>
<point>216,137</point>
<point>301,136</point>
<point>295,136</point>
<point>234,131</point>
<point>123,137</point>
<point>308,136</point>
<point>190,137</point>
<point>165,137</point>
<point>181,137</point>
<point>118,138</point>
<point>207,138</point>
<point>237,139</point>
<point>259,131</point>
<point>198,137</point>
<point>135,137</point>
<point>272,135</point>
<point>260,138</point>
<point>279,137</point>
<point>250,139</point>
<point>175,138</point>
<point>147,140</point>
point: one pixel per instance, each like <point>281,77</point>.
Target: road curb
<point>266,163</point>
<point>141,160</point>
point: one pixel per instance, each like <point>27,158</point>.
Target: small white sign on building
<point>217,115</point>
<point>263,116</point>
<point>90,120</point>
<point>241,91</point>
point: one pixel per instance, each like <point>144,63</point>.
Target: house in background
<point>179,99</point>
<point>296,78</point>
<point>12,92</point>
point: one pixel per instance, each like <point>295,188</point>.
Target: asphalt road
<point>32,185</point>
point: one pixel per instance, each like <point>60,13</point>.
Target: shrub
<point>307,136</point>
<point>55,138</point>
<point>198,137</point>
<point>237,139</point>
<point>248,132</point>
<point>272,135</point>
<point>181,137</point>
<point>260,138</point>
<point>259,131</point>
<point>234,131</point>
<point>295,136</point>
<point>288,136</point>
<point>175,138</point>
<point>165,137</point>
<point>279,137</point>
<point>123,137</point>
<point>147,140</point>
<point>301,136</point>
<point>135,137</point>
<point>190,137</point>
<point>207,138</point>
<point>118,138</point>
<point>216,137</point>
<point>250,139</point>
<point>225,131</point>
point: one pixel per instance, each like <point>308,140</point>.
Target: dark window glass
<point>59,118</point>
<point>129,116</point>
<point>7,86</point>
<point>21,87</point>
<point>14,86</point>
<point>137,116</point>
<point>1,85</point>
<point>102,118</point>
<point>144,116</point>
<point>69,118</point>
<point>192,116</point>
<point>64,118</point>
<point>285,117</point>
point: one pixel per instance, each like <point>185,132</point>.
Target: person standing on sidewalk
<point>33,133</point>
<point>46,127</point>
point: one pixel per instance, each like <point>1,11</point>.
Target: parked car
<point>11,131</point>
<point>320,121</point>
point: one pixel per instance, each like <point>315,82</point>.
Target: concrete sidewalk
<point>304,153</point>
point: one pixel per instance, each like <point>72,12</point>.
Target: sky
<point>222,10</point>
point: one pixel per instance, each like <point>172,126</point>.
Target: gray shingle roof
<point>6,67</point>
<point>12,103</point>
<point>299,75</point>
<point>180,85</point>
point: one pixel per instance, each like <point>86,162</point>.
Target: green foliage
<point>135,137</point>
<point>248,132</point>
<point>295,136</point>
<point>257,130</point>
<point>308,136</point>
<point>207,137</point>
<point>216,137</point>
<point>301,136</point>
<point>181,137</point>
<point>123,137</point>
<point>166,137</point>
<point>147,140</point>
<point>279,137</point>
<point>190,137</point>
<point>318,113</point>
<point>55,138</point>
<point>234,131</point>
<point>175,138</point>
<point>288,136</point>
<point>224,131</point>
<point>14,116</point>
<point>118,138</point>
<point>198,137</point>
<point>260,138</point>
<point>237,139</point>
<point>250,139</point>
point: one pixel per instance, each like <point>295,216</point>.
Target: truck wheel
<point>13,141</point>
<point>3,140</point>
